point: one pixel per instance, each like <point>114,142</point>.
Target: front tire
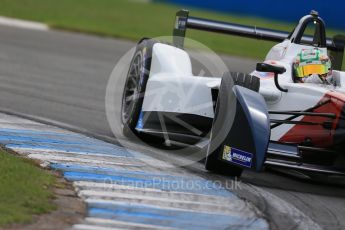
<point>135,86</point>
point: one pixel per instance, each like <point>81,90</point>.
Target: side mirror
<point>276,69</point>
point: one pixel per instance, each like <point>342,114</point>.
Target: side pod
<point>241,128</point>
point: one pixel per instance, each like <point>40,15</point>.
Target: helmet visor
<point>307,70</point>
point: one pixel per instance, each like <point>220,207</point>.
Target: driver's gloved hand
<point>330,80</point>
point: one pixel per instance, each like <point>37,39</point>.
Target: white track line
<point>123,189</point>
<point>92,227</point>
<point>163,203</point>
<point>142,197</point>
<point>24,150</point>
<point>23,24</point>
<point>91,162</point>
<point>91,156</point>
<point>122,224</point>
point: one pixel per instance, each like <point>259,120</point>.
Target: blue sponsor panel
<point>237,156</point>
<point>290,11</point>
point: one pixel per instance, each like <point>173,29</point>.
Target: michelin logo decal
<point>237,156</point>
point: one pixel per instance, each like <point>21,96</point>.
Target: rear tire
<point>245,80</point>
<point>213,161</point>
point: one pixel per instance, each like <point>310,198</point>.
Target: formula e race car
<point>266,118</point>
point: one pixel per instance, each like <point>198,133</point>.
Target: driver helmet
<point>312,63</point>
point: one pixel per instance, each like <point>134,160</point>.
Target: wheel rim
<point>131,89</point>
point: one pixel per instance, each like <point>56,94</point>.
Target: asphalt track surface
<point>61,77</point>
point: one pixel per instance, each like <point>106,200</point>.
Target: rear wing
<point>183,22</point>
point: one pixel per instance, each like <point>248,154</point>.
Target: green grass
<point>24,190</point>
<point>133,19</point>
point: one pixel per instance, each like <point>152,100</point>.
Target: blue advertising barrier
<point>289,11</point>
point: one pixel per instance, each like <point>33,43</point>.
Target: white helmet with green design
<point>311,62</point>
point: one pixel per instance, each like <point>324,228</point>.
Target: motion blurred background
<point>287,11</point>
<point>134,19</point>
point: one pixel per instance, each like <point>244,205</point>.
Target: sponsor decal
<point>237,156</point>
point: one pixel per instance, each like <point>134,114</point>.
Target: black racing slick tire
<point>135,86</point>
<point>245,80</point>
<point>213,162</point>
